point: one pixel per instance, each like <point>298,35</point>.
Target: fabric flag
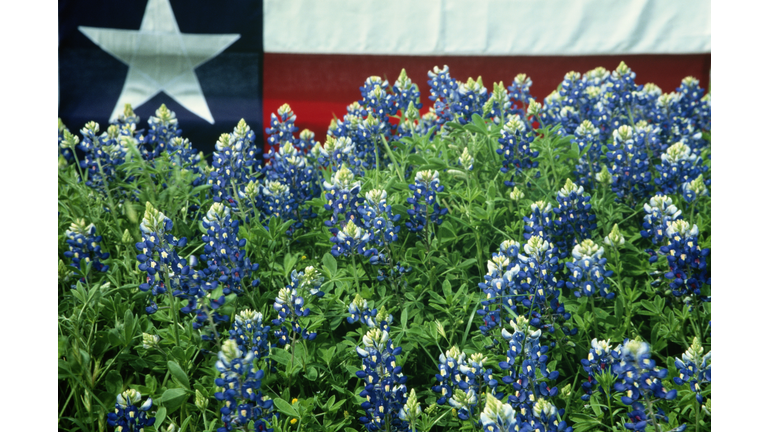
<point>318,53</point>
<point>209,61</point>
<point>202,59</point>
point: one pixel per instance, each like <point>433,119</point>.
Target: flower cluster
<point>695,368</point>
<point>128,417</point>
<point>384,390</point>
<point>686,259</point>
<point>587,271</point>
<point>498,416</point>
<point>163,127</point>
<point>587,137</point>
<point>233,164</point>
<point>574,219</point>
<point>628,164</point>
<point>158,257</point>
<point>84,246</point>
<point>250,333</point>
<point>377,218</point>
<point>499,286</point>
<point>678,165</point>
<point>290,305</point>
<point>102,154</point>
<point>425,189</point>
<point>599,368</point>
<point>515,146</point>
<point>659,213</point>
<point>239,385</point>
<point>461,379</point>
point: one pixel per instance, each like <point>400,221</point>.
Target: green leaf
<point>160,417</point>
<point>330,263</point>
<point>286,408</point>
<point>173,398</point>
<point>311,373</point>
<point>178,373</point>
<point>128,327</point>
<point>114,383</point>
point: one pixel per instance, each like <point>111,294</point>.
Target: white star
<point>160,58</point>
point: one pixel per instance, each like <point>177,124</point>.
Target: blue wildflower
<point>384,383</point>
<point>587,137</point>
<point>250,333</point>
<point>290,306</point>
<point>379,221</point>
<point>461,379</point>
<point>425,189</point>
<point>637,374</point>
<point>442,90</point>
<point>163,127</point>
<point>515,146</point>
<point>84,246</point>
<point>695,368</point>
<point>574,219</point>
<point>599,366</point>
<point>686,259</point>
<point>628,164</point>
<point>239,388</point>
<point>406,93</point>
<point>587,271</point>
<point>158,257</point>
<point>659,213</point>
<point>678,165</point>
<point>498,416</point>
<point>128,416</point>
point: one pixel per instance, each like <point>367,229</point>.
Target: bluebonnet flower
<point>292,169</point>
<point>461,379</point>
<point>499,285</point>
<point>637,374</point>
<point>163,127</point>
<point>376,99</point>
<point>426,186</point>
<point>695,368</point>
<point>182,153</point>
<point>233,164</point>
<point>466,160</point>
<point>379,221</point>
<point>84,246</point>
<point>442,90</point>
<point>102,154</point>
<point>623,89</point>
<point>541,222</point>
<point>306,141</point>
<point>599,368</point>
<point>649,136</point>
<point>250,333</point>
<point>538,281</point>
<point>691,99</point>
<point>227,264</point>
<point>290,306</point>
<point>615,238</point>
<point>498,105</point>
<point>239,388</point>
<point>686,259</point>
<point>520,94</point>
<point>498,416</point>
<point>574,219</point>
<point>659,213</point>
<point>128,416</point>
<point>67,143</point>
<point>469,99</point>
<point>350,239</point>
<point>515,146</point>
<point>384,390</point>
<point>587,136</point>
<point>281,127</point>
<point>411,411</point>
<point>342,197</point>
<point>338,152</point>
<point>405,93</point>
<point>678,165</point>
<point>158,257</point>
<point>587,271</point>
<point>695,188</point>
<point>627,162</point>
<point>369,134</point>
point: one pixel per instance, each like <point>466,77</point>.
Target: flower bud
<point>127,237</point>
<point>150,341</point>
<point>516,194</point>
<point>615,238</point>
<point>440,329</point>
<point>230,350</point>
<point>201,402</point>
<point>604,176</point>
<point>466,160</point>
<point>534,108</point>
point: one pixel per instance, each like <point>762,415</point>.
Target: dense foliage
<point>497,262</point>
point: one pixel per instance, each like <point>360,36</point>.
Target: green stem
<point>392,158</point>
<point>354,272</point>
<point>594,316</point>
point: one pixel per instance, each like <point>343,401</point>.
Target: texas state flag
<point>213,63</point>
